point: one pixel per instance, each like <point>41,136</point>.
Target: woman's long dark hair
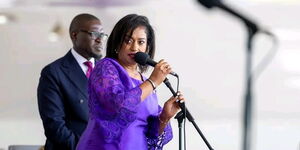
<point>127,25</point>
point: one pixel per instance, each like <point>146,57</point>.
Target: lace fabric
<point>155,141</point>
<point>110,101</point>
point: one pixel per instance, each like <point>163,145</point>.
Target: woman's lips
<point>131,55</point>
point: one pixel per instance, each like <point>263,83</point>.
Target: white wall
<point>205,48</point>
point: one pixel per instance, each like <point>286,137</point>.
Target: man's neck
<point>82,54</point>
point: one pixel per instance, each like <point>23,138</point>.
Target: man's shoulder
<point>56,64</point>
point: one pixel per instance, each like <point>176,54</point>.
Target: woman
<point>124,110</point>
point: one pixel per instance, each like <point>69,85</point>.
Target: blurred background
<point>206,48</point>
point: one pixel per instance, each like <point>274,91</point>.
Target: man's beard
<point>97,57</point>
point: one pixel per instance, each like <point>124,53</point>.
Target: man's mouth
<point>99,48</point>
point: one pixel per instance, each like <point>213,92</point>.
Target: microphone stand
<point>182,114</point>
<point>247,122</point>
<point>252,29</point>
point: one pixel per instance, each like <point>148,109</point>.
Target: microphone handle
<point>153,63</point>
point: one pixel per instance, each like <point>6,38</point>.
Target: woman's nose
<point>134,47</point>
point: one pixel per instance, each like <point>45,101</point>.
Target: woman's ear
<point>147,50</point>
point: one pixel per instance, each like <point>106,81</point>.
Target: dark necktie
<point>90,68</point>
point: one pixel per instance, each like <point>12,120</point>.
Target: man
<point>62,90</point>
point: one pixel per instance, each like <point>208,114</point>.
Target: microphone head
<point>209,3</point>
<point>141,58</point>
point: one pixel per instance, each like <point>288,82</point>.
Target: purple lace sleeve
<point>112,99</point>
<point>155,141</point>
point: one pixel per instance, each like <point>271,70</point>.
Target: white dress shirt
<point>80,59</point>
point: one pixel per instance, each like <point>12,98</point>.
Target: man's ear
<point>73,35</point>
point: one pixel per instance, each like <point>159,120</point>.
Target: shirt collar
<point>80,59</point>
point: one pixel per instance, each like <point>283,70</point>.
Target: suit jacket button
<point>81,101</point>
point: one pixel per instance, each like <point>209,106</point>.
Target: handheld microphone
<point>144,59</point>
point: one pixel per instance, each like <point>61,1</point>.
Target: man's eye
<point>94,34</point>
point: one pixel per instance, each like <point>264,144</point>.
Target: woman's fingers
<point>180,97</point>
<point>172,99</point>
<point>164,66</point>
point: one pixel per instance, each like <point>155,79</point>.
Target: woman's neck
<point>131,70</point>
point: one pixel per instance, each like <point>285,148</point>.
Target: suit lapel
<point>73,71</point>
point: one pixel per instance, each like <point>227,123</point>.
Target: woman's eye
<point>141,42</point>
<point>128,41</point>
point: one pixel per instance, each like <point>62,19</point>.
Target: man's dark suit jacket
<point>62,101</point>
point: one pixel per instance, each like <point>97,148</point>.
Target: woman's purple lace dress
<point>118,118</point>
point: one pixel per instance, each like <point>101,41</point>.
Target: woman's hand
<point>171,107</point>
<point>161,70</point>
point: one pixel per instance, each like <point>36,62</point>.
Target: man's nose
<point>98,40</point>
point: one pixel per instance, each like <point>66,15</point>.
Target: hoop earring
<point>116,51</point>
